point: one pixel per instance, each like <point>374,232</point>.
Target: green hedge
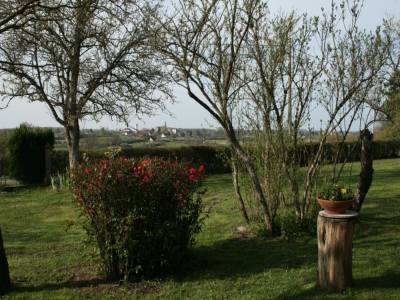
<point>26,149</point>
<point>350,151</point>
<point>214,157</point>
<point>211,156</point>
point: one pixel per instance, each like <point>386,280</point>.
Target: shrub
<point>143,213</point>
<point>27,153</point>
<point>288,226</point>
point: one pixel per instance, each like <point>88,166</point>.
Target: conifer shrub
<point>26,149</point>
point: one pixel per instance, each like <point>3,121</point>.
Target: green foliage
<point>289,226</point>
<point>336,192</point>
<point>143,214</point>
<point>349,151</point>
<point>26,149</point>
<point>59,162</point>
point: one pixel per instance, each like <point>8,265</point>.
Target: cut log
<point>5,283</point>
<point>335,243</point>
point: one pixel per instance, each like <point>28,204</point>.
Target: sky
<point>185,112</point>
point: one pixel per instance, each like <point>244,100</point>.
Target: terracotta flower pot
<point>335,207</point>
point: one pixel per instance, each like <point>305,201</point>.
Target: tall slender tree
<point>205,43</point>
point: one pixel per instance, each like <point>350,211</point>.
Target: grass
<point>49,262</point>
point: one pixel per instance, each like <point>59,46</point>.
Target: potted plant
<point>335,199</point>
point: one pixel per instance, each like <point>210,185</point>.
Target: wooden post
<point>5,283</point>
<point>335,245</point>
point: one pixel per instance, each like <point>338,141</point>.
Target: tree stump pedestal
<point>335,245</point>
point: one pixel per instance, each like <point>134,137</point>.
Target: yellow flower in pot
<point>335,199</point>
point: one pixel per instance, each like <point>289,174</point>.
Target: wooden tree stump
<point>5,283</point>
<point>335,243</point>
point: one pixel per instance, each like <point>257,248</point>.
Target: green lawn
<point>49,262</point>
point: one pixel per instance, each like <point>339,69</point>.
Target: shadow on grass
<point>238,257</point>
<point>90,283</point>
<point>223,259</point>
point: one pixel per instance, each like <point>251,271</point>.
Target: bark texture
<point>367,170</point>
<point>5,282</point>
<point>73,137</point>
<point>335,241</point>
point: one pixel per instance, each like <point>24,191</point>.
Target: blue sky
<point>186,113</point>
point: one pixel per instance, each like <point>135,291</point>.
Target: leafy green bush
<point>143,214</point>
<point>27,153</point>
<point>290,227</point>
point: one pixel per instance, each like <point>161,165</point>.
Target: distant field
<point>47,261</point>
<point>102,143</point>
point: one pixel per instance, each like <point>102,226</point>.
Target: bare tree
<point>85,58</point>
<point>285,75</point>
<point>352,79</point>
<point>295,64</point>
<point>204,41</point>
<point>16,14</point>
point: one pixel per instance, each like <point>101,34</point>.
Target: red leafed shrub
<point>143,214</point>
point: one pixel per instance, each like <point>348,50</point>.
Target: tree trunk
<point>335,242</point>
<point>5,282</point>
<point>73,136</point>
<point>255,181</point>
<point>236,185</point>
<point>366,160</point>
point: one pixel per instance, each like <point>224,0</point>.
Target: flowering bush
<point>143,214</point>
<point>336,192</point>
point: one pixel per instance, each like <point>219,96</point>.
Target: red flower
<point>87,170</point>
<point>193,178</point>
<point>145,162</point>
<point>201,169</point>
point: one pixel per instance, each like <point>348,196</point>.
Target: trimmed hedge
<point>350,151</point>
<point>214,157</point>
<point>26,149</point>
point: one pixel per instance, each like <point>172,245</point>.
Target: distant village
<point>164,132</point>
